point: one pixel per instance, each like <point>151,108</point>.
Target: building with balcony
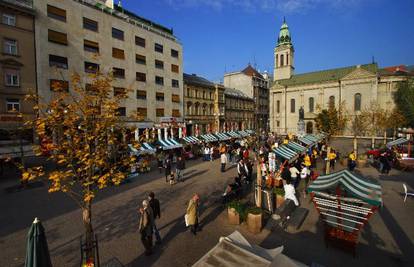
<point>219,107</point>
<point>239,110</point>
<point>85,36</point>
<point>17,63</point>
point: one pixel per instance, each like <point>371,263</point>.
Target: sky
<point>220,36</point>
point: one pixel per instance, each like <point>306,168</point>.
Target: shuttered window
<point>59,85</point>
<point>91,67</point>
<point>159,64</point>
<point>56,13</point>
<point>118,53</point>
<point>90,46</point>
<point>159,112</point>
<point>174,53</point>
<point>90,24</point>
<point>139,41</point>
<point>141,77</point>
<point>175,98</point>
<point>175,68</point>
<point>176,113</point>
<point>140,59</point>
<point>141,94</point>
<point>158,48</point>
<point>117,34</point>
<point>159,96</point>
<point>57,37</point>
<point>118,73</point>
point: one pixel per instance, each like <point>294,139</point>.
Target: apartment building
<point>84,36</point>
<point>17,64</point>
<point>240,110</point>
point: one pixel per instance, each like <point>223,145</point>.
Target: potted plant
<point>254,219</point>
<point>235,211</point>
<point>362,160</point>
<point>279,193</point>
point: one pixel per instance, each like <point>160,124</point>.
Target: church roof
<point>196,80</point>
<point>250,71</point>
<point>324,75</point>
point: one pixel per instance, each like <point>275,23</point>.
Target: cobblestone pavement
<point>386,241</point>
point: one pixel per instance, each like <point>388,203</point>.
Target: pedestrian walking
<point>290,192</point>
<point>332,159</point>
<point>223,159</point>
<point>192,213</point>
<point>206,153</point>
<point>155,206</point>
<point>180,168</point>
<point>352,161</point>
<point>167,167</point>
<point>294,175</point>
<point>146,226</point>
<point>211,153</point>
<point>160,160</point>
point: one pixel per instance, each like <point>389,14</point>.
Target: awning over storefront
<point>357,186</point>
<point>251,132</point>
<point>209,138</point>
<point>397,142</point>
<point>312,138</point>
<point>145,148</point>
<point>296,147</point>
<point>169,144</point>
<point>191,140</point>
<point>222,136</point>
<point>286,153</point>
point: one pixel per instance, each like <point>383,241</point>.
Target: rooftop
<point>196,80</point>
<point>236,93</point>
<point>250,71</point>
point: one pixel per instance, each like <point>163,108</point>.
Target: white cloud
<point>286,6</point>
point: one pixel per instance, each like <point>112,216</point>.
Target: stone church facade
<point>355,86</point>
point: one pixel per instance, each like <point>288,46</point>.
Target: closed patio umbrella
<point>37,252</point>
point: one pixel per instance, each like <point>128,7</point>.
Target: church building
<point>354,86</point>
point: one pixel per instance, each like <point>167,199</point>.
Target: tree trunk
<point>373,142</point>
<point>394,133</point>
<point>87,222</point>
<point>385,137</point>
<point>356,146</point>
<point>328,162</point>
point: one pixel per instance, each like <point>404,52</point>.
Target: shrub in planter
<point>279,196</point>
<point>362,160</point>
<point>235,212</point>
<point>254,219</point>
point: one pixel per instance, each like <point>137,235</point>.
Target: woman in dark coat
<point>167,167</point>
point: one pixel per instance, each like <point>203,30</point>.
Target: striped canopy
<point>209,138</point>
<point>243,133</point>
<point>359,187</point>
<point>191,140</point>
<point>249,132</point>
<point>145,148</point>
<point>296,147</point>
<point>286,153</point>
<point>312,138</point>
<point>397,142</point>
<point>306,141</point>
<point>169,144</point>
<point>233,134</point>
<point>222,136</point>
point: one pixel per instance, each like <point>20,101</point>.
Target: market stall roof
<point>243,133</point>
<point>233,134</point>
<point>306,141</point>
<point>312,138</point>
<point>296,147</point>
<point>169,144</point>
<point>145,148</point>
<point>359,187</point>
<point>250,132</point>
<point>397,142</point>
<point>222,136</point>
<point>209,138</point>
<point>286,153</point>
<point>235,251</point>
<point>191,140</point>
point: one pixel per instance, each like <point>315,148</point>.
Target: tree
<point>376,120</point>
<point>88,147</point>
<point>394,120</point>
<point>331,120</point>
<point>404,100</point>
<point>358,126</point>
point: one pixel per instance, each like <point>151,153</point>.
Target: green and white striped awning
<point>251,132</point>
<point>286,153</point>
<point>222,136</point>
<point>243,133</point>
<point>233,134</point>
<point>209,138</point>
<point>296,147</point>
<point>306,141</point>
<point>397,142</point>
<point>359,187</point>
<point>312,138</point>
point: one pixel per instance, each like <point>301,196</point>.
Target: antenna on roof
<point>284,19</point>
<point>373,60</point>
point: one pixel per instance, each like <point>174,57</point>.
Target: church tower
<point>284,54</point>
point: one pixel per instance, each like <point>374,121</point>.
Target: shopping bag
<point>186,220</point>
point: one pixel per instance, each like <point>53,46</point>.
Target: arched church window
<point>331,103</point>
<point>278,106</point>
<point>357,102</point>
<point>281,60</point>
<point>311,104</point>
<point>287,59</point>
<point>292,105</point>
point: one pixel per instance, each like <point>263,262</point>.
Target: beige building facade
<point>17,63</point>
<point>355,87</point>
<point>239,110</point>
<point>255,86</point>
<point>89,35</point>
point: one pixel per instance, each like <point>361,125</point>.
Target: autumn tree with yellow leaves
<point>83,125</point>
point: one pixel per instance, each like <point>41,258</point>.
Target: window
<point>174,68</point>
<point>117,34</point>
<point>287,59</point>
<point>59,85</point>
<point>140,59</point>
<point>141,77</point>
<point>8,19</point>
<point>91,88</point>
<point>175,83</point>
<point>90,24</point>
<point>118,73</point>
<point>174,53</point>
<point>56,13</point>
<point>142,113</point>
<point>159,96</point>
<point>277,60</point>
<point>10,47</point>
<point>121,111</point>
<point>91,67</point>
<point>292,105</point>
<point>281,60</point>
<point>139,41</point>
<point>278,106</point>
<point>311,104</point>
<point>119,91</point>
<point>159,64</point>
<point>90,46</point>
<point>176,113</point>
<point>13,105</point>
<point>331,103</point>
<point>118,53</point>
<point>277,123</point>
<point>57,37</point>
<point>175,98</point>
<point>159,80</point>
<point>158,48</point>
<point>159,112</point>
<point>141,94</point>
<point>11,77</point>
<point>357,102</point>
<point>58,62</point>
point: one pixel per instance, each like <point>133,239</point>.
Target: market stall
<point>191,147</point>
<point>296,147</point>
<point>222,136</point>
<point>233,134</point>
<point>209,138</point>
<point>345,202</point>
<point>307,142</point>
<point>243,133</point>
<point>286,153</point>
<point>169,143</point>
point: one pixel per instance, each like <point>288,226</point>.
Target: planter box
<point>279,200</point>
<point>254,223</point>
<point>233,216</point>
<point>362,162</point>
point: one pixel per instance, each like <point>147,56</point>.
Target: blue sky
<point>226,35</point>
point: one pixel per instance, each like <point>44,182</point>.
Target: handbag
<point>186,220</point>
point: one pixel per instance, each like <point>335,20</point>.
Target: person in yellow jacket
<point>352,161</point>
<point>332,158</point>
<point>307,161</point>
